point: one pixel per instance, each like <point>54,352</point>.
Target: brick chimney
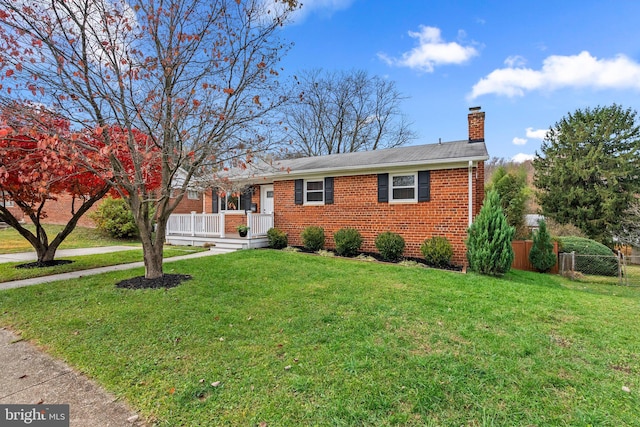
<point>476,124</point>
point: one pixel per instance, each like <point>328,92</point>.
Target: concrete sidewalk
<point>30,376</point>
<point>94,271</point>
<point>61,253</point>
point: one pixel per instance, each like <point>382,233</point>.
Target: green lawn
<point>296,339</point>
<point>81,237</point>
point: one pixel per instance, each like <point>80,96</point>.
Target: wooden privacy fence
<point>521,249</point>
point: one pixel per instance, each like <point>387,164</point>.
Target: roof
<point>401,157</point>
<point>531,220</point>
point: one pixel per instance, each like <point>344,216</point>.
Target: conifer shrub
<point>541,254</point>
<point>437,251</point>
<point>277,238</point>
<point>313,238</point>
<point>348,242</point>
<point>489,249</point>
<point>114,218</point>
<point>390,245</point>
<point>601,259</point>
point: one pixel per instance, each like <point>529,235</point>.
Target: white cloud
<point>582,70</point>
<point>522,157</point>
<point>515,61</point>
<point>536,133</point>
<point>431,51</point>
<point>519,141</point>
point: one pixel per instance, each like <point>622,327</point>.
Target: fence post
<point>249,222</point>
<point>222,225</point>
<point>193,223</point>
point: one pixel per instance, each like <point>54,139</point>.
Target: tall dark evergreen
<point>589,170</point>
<point>512,188</point>
<point>489,249</point>
<point>541,254</point>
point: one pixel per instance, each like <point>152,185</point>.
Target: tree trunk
<point>152,251</point>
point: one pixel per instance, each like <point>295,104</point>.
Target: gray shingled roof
<point>416,155</point>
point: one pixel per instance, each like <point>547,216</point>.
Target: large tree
<point>589,169</point>
<point>512,189</point>
<point>197,76</point>
<point>38,164</point>
<point>343,112</point>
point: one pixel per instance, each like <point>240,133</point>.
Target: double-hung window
<point>403,188</point>
<point>314,192</point>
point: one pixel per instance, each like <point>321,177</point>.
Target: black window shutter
<point>424,186</point>
<point>383,187</point>
<point>298,191</point>
<point>214,201</point>
<point>245,199</point>
<point>328,191</point>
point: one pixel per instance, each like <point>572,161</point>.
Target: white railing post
<point>249,224</point>
<point>193,223</point>
<point>222,225</point>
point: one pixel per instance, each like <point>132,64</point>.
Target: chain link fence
<point>613,269</point>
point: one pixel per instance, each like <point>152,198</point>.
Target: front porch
<point>219,230</point>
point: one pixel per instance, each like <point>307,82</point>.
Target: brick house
<point>417,191</point>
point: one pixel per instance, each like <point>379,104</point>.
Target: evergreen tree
<point>511,187</point>
<point>541,255</point>
<point>588,171</point>
<point>489,249</point>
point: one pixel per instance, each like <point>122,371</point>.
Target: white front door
<point>266,199</point>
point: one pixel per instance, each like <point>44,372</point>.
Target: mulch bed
<point>165,281</point>
<point>42,264</point>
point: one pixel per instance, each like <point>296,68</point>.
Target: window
<point>314,192</point>
<point>403,187</point>
<point>7,203</point>
<point>193,195</point>
<point>230,202</point>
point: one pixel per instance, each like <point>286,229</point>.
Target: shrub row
<point>437,251</point>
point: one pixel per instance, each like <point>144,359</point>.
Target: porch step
<point>220,245</point>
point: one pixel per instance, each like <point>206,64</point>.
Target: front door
<point>266,199</point>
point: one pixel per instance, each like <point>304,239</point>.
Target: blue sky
<point>526,63</point>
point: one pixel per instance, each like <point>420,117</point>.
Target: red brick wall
<point>188,205</point>
<point>59,212</point>
<point>356,205</point>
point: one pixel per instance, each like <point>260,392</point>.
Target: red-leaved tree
<point>197,77</point>
<point>38,164</point>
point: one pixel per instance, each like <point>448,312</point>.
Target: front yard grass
<point>292,339</point>
<point>81,237</point>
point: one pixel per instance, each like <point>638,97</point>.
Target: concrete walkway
<point>61,253</point>
<point>30,376</point>
<point>94,271</point>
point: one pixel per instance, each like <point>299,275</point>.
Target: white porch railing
<point>259,224</point>
<point>213,225</point>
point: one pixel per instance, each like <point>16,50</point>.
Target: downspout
<point>470,192</point>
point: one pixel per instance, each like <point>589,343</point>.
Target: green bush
<point>437,251</point>
<point>313,238</point>
<point>489,249</point>
<point>541,254</point>
<point>603,263</point>
<point>277,238</point>
<point>390,245</point>
<point>114,218</point>
<point>348,242</point>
